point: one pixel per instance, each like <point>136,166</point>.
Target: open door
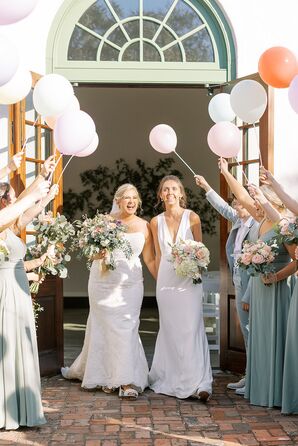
<point>30,128</point>
<point>232,352</point>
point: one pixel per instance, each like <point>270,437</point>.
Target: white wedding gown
<point>113,354</point>
<point>181,362</point>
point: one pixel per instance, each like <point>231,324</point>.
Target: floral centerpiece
<point>287,230</point>
<point>4,251</point>
<point>52,235</point>
<point>257,257</point>
<point>99,237</point>
<point>190,259</point>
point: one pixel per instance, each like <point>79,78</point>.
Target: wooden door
<point>232,352</point>
<point>30,128</point>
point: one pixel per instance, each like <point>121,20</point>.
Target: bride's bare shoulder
<point>194,218</point>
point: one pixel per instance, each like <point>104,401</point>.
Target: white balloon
<point>52,94</point>
<point>163,138</point>
<point>17,88</point>
<point>90,149</point>
<point>9,60</point>
<point>220,108</point>
<point>12,11</point>
<point>74,105</point>
<point>249,100</point>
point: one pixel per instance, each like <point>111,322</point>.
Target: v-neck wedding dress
<point>181,362</point>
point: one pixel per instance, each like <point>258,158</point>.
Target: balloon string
<point>185,163</point>
<point>242,171</point>
<point>26,140</point>
<point>65,168</point>
<point>56,164</point>
<point>258,144</point>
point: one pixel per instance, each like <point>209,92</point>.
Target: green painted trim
<point>222,70</point>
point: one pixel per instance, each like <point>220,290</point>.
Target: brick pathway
<point>89,418</point>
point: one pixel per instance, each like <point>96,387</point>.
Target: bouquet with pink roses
<point>287,230</point>
<point>257,257</point>
<point>190,258</point>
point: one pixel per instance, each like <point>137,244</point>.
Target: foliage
<point>101,183</point>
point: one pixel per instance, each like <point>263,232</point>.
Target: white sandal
<point>128,394</point>
<point>107,389</point>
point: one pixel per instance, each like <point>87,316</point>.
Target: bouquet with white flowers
<point>287,230</point>
<point>257,257</point>
<point>99,237</point>
<point>4,252</point>
<point>52,235</point>
<point>190,259</point>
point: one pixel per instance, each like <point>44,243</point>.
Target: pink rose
<point>246,258</point>
<point>258,258</point>
<point>199,255</point>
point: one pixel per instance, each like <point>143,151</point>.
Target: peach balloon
<point>278,66</point>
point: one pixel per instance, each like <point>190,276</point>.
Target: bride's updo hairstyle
<point>121,191</point>
<point>183,199</point>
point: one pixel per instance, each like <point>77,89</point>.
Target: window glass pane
<point>183,19</point>
<point>132,28</point>
<point>132,53</point>
<point>150,53</point>
<point>46,143</point>
<point>82,45</point>
<point>149,29</point>
<point>31,114</point>
<point>109,53</point>
<point>198,47</point>
<point>31,133</point>
<point>125,8</point>
<point>253,143</point>
<point>156,8</point>
<point>31,172</point>
<point>30,238</point>
<point>117,37</point>
<point>253,173</point>
<point>4,136</point>
<point>173,54</point>
<point>98,17</point>
<point>164,38</point>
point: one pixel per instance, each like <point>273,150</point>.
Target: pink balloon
<point>74,105</point>
<point>224,139</point>
<point>293,94</point>
<point>163,138</point>
<point>73,132</point>
<point>12,11</point>
<point>90,149</point>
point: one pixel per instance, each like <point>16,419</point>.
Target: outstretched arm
<point>148,251</point>
<point>238,190</point>
<point>13,164</point>
<point>266,177</point>
<point>47,168</point>
<point>219,204</point>
<point>267,207</point>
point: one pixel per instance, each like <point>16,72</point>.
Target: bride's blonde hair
<point>121,191</point>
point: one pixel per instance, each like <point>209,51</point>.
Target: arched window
<point>171,41</point>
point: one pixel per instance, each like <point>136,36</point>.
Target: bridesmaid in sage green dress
<point>269,309</point>
<point>290,380</point>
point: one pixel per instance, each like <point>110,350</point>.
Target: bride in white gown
<point>181,362</point>
<point>113,356</point>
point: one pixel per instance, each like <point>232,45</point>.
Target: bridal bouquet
<point>257,257</point>
<point>190,259</point>
<point>52,235</point>
<point>287,230</point>
<point>99,237</point>
<point>4,252</point>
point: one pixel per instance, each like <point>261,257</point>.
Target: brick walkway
<point>89,418</point>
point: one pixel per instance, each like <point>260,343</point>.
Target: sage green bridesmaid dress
<point>290,378</point>
<point>268,316</point>
<point>20,399</point>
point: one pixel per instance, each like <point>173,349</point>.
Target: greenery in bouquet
<point>190,259</point>
<point>287,230</point>
<point>52,237</point>
<point>99,237</point>
<point>257,257</point>
<point>4,252</point>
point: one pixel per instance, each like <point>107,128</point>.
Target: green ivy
<point>101,183</point>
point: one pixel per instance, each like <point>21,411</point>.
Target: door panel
<point>30,128</point>
<point>232,352</point>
